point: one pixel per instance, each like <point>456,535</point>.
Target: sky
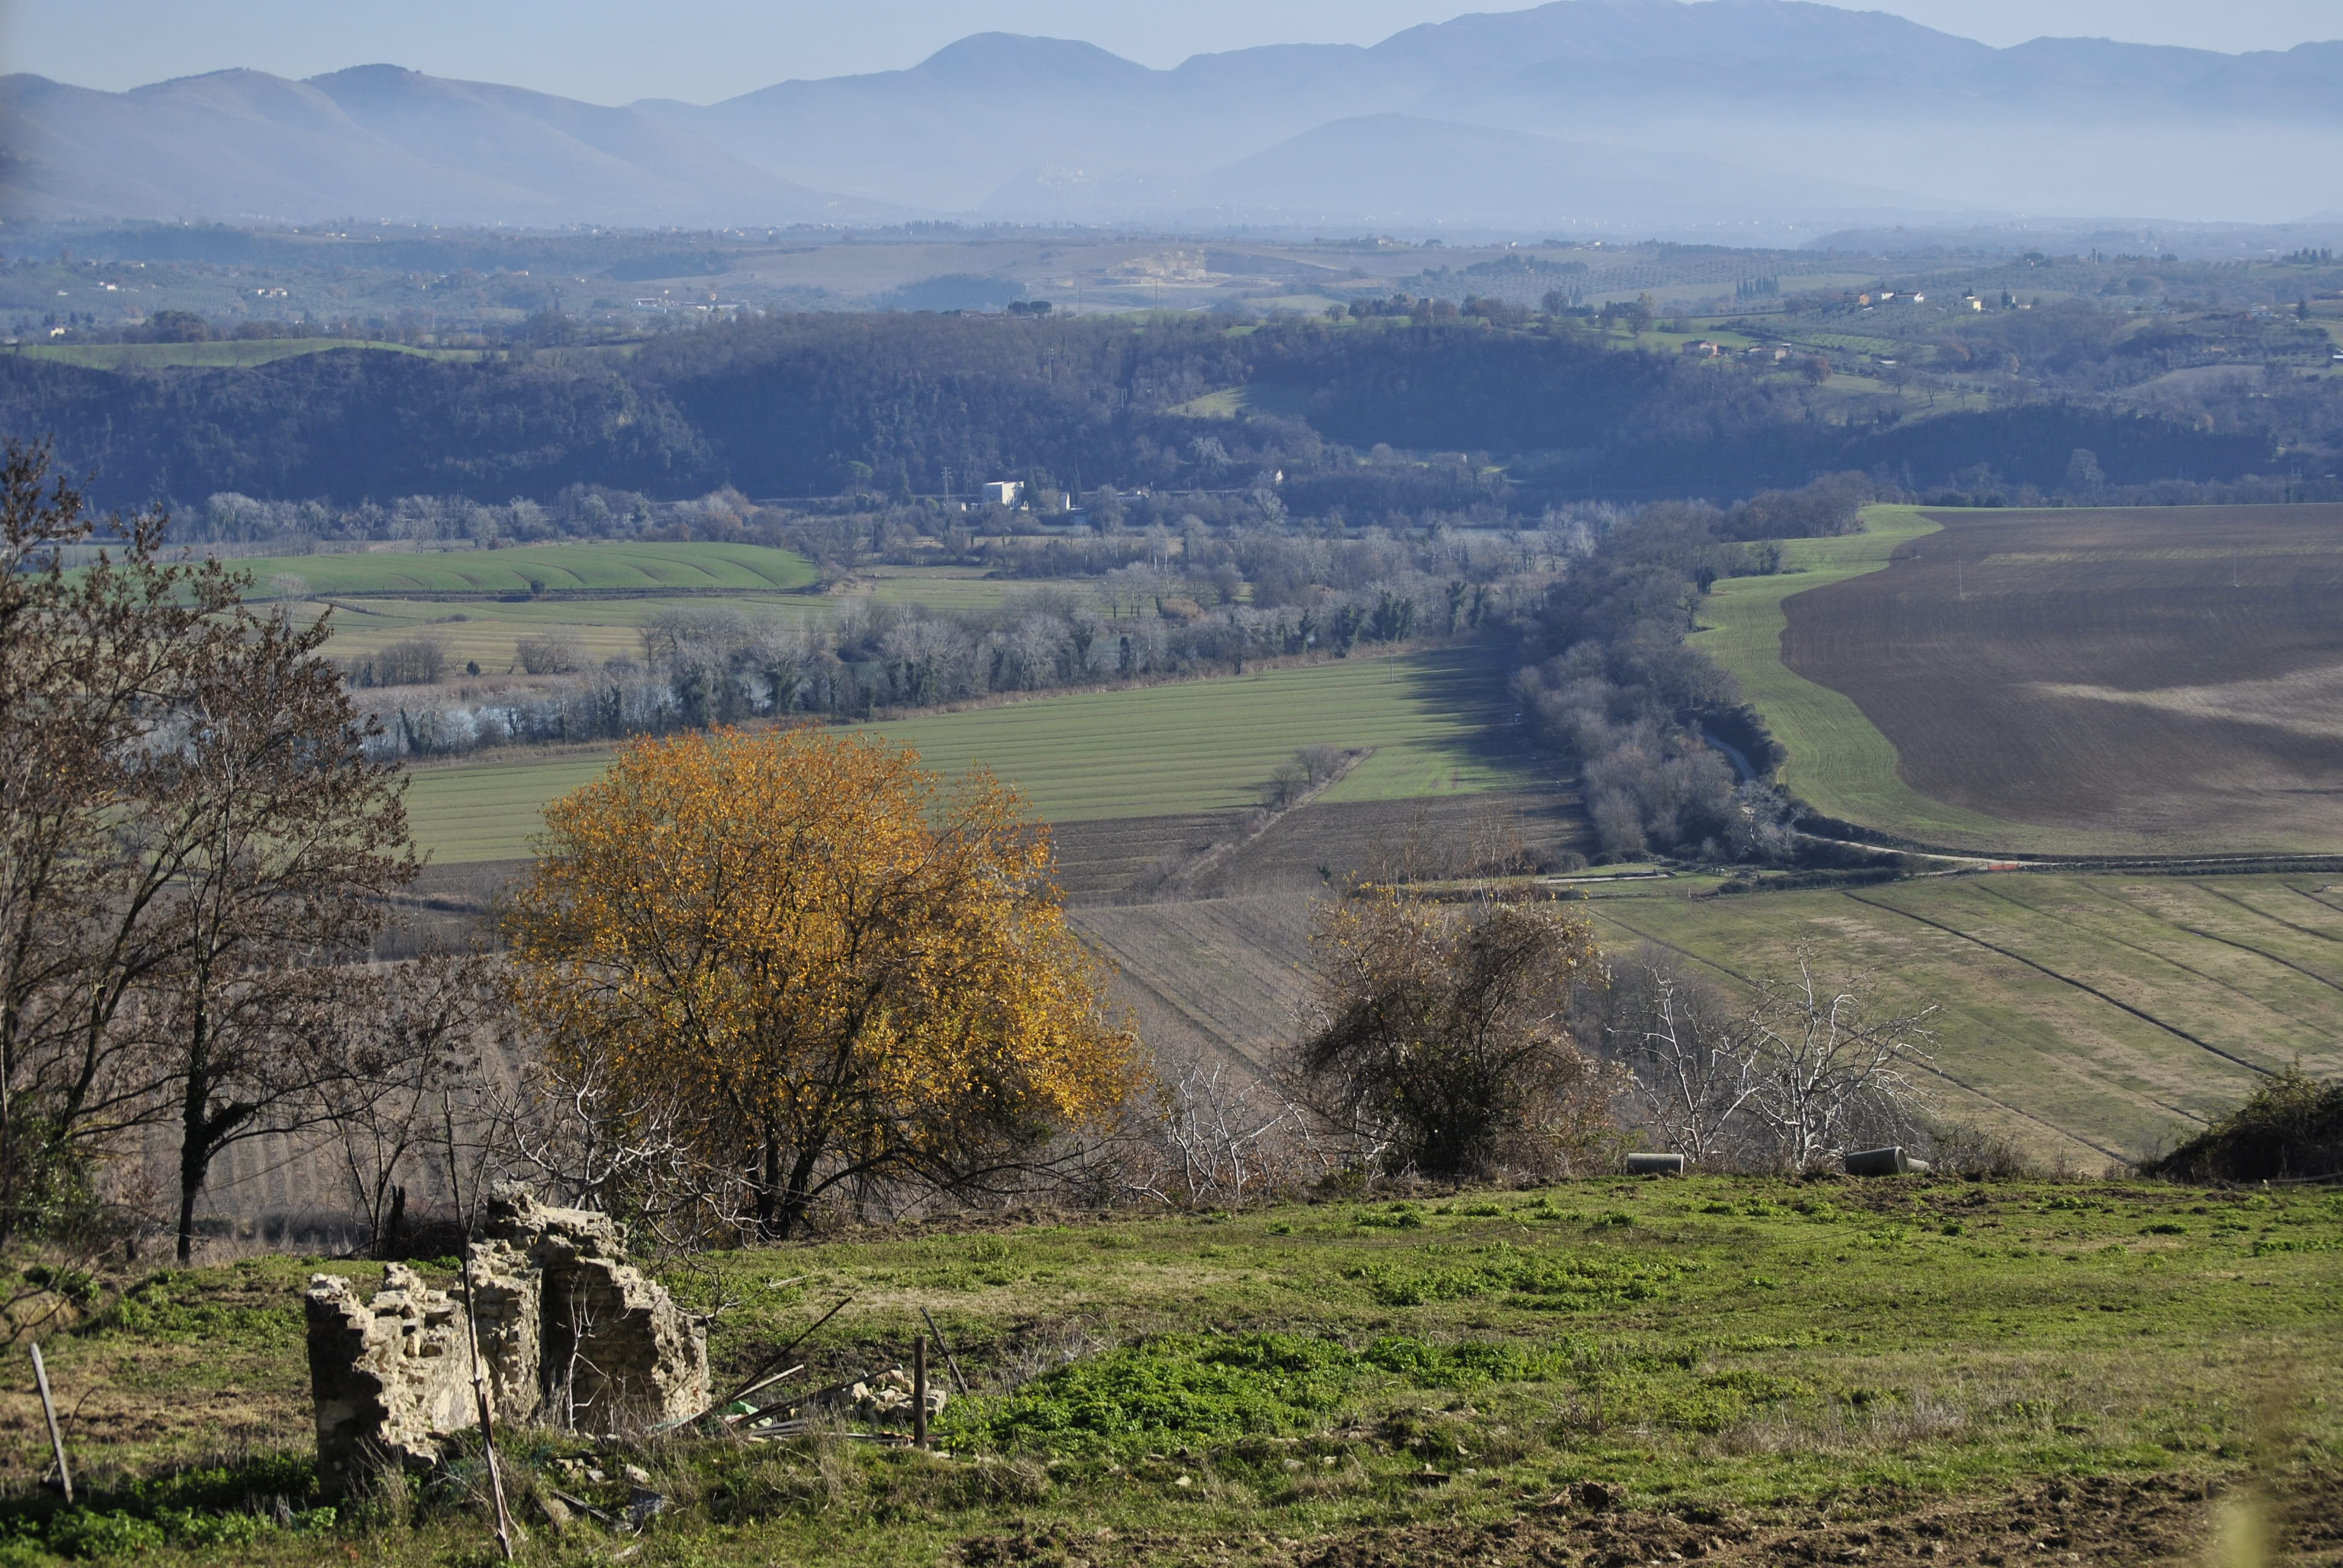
<point>609,52</point>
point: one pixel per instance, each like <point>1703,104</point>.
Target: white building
<point>1005,492</point>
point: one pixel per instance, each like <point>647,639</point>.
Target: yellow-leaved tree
<point>814,965</point>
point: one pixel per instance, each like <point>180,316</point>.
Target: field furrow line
<point>1929,1067</point>
<point>2315,898</point>
<point>2265,915</point>
<point>2260,953</point>
<point>2083,986</point>
<point>2101,934</point>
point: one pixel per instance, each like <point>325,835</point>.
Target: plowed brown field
<point>2152,678</point>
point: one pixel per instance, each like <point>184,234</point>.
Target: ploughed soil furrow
<point>2152,677</point>
<point>1208,978</point>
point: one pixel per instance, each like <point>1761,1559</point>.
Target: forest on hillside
<point>1391,414</point>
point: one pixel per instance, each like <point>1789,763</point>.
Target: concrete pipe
<point>1885,1162</point>
<point>1655,1164</point>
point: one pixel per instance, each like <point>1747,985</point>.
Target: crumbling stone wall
<point>568,1333</point>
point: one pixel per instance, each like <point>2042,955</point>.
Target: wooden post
<point>918,1393</point>
<point>480,1401</point>
<point>951,1360</point>
<point>57,1437</point>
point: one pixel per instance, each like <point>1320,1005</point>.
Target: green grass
<point>1770,1360</point>
<point>487,633</point>
<point>238,353</point>
<point>583,569</point>
<point>1839,762</point>
<point>1183,747</point>
<point>2074,1037</point>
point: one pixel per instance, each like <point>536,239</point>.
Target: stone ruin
<point>569,1334</point>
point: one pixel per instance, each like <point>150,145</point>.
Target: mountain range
<point>1588,115</point>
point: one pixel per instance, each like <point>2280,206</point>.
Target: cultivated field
<point>570,568</point>
<point>2153,681</point>
<point>1180,747</point>
<point>1838,761</point>
<point>1610,1372</point>
<point>2087,1016</point>
<point>484,629</point>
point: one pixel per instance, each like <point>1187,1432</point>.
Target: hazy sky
<point>702,50</point>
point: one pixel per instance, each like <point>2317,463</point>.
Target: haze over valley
<point>1765,117</point>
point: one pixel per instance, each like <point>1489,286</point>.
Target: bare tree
<point>87,659</point>
<point>1226,1136</point>
<point>282,838</point>
<point>1822,1066</point>
<point>408,1038</point>
<point>1691,1055</point>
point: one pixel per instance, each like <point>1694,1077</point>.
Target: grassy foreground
<point>1183,747</point>
<point>1838,762</point>
<point>1608,1370</point>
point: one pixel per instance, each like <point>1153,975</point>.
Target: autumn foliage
<point>811,965</point>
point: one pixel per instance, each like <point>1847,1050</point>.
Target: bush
<point>556,652</point>
<point>79,1533</point>
<point>2292,1126</point>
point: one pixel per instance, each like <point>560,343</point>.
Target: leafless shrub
<point>1320,763</point>
<point>412,661</point>
<point>1690,1053</point>
<point>557,650</point>
<point>1826,1069</point>
<point>1225,1137</point>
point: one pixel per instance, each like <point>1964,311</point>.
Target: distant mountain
<point>1652,112</point>
<point>379,142</point>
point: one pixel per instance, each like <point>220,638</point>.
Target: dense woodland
<point>809,407</point>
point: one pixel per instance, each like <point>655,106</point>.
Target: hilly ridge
<point>1797,112</point>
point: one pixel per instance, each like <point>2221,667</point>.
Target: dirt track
<point>2158,676</point>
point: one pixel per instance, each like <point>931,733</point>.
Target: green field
<point>236,353</point>
<point>488,634</point>
<point>1185,747</point>
<point>1603,1371</point>
<point>574,569</point>
<point>1839,763</point>
<point>2087,1016</point>
<point>485,632</point>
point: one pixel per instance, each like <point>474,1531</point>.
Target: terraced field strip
<point>490,633</point>
<point>1839,762</point>
<point>554,568</point>
<point>1433,720</point>
<point>2093,1013</point>
<point>234,354</point>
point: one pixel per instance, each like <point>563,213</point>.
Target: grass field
<point>487,632</point>
<point>1838,762</point>
<point>236,353</point>
<point>1604,1372</point>
<point>2152,680</point>
<point>583,569</point>
<point>1186,746</point>
<point>2087,1016</point>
